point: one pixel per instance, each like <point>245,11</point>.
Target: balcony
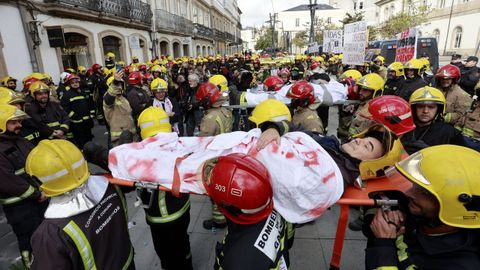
<point>166,21</point>
<point>202,31</point>
<point>229,37</point>
<point>219,35</point>
<point>137,13</point>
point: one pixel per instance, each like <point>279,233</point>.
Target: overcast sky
<point>255,12</point>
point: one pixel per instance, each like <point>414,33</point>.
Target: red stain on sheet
<point>150,140</point>
<point>189,177</point>
<point>112,159</point>
<point>316,212</point>
<point>146,170</point>
<point>328,177</point>
<point>136,146</point>
<point>253,152</point>
<point>289,155</point>
<point>298,141</point>
<point>274,147</point>
<point>312,158</point>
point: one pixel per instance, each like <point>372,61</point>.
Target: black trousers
<point>82,132</point>
<point>172,243</point>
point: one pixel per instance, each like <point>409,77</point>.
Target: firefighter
<point>345,111</point>
<point>22,201</point>
<point>80,110</point>
<point>54,119</point>
<point>240,186</point>
<point>414,70</point>
<point>161,100</point>
<point>457,101</point>
<point>378,66</point>
<point>369,86</point>
<point>118,112</point>
<point>168,216</point>
<point>85,225</point>
<point>305,105</point>
<point>395,78</point>
<point>136,94</point>
<point>440,228</point>
<point>217,120</point>
<point>9,82</point>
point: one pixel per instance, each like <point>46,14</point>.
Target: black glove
<point>96,154</point>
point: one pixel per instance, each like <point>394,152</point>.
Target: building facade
<point>367,7</point>
<point>52,35</point>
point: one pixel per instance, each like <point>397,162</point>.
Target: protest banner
<point>355,37</point>
<point>406,45</point>
<point>332,41</point>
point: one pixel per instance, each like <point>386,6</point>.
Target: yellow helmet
<point>38,76</point>
<point>340,56</point>
<point>351,73</point>
<point>8,96</point>
<point>158,84</point>
<point>121,63</point>
<point>429,94</point>
<point>110,55</point>
<point>319,59</point>
<point>270,110</point>
<point>10,112</point>
<point>417,64</point>
<point>450,173</point>
<point>155,68</point>
<point>220,81</point>
<point>379,58</point>
<point>153,120</point>
<point>59,165</point>
<point>37,87</point>
<point>81,70</point>
<point>163,69</point>
<point>426,63</point>
<point>373,82</point>
<point>6,79</point>
<point>393,149</point>
<point>397,67</point>
<point>298,57</point>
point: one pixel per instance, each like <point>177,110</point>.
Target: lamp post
<point>448,29</point>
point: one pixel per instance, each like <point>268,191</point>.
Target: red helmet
<point>147,76</point>
<point>352,89</point>
<point>208,93</point>
<point>393,112</point>
<point>302,94</point>
<point>240,187</point>
<point>71,77</point>
<point>89,72</point>
<point>142,67</point>
<point>273,83</point>
<point>135,78</point>
<point>28,81</point>
<point>284,72</point>
<point>314,65</point>
<point>96,67</point>
<point>448,72</point>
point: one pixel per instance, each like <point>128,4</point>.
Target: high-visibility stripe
<point>77,98</point>
<point>169,218</point>
<point>162,205</point>
<point>220,124</point>
<point>76,121</point>
<point>12,200</point>
<point>53,124</point>
<point>61,173</point>
<point>71,113</point>
<point>20,171</point>
<point>243,98</point>
<point>32,136</point>
<point>82,244</point>
<point>64,126</point>
<point>122,199</point>
<point>469,132</point>
<point>129,260</point>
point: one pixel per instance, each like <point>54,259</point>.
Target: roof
<point>306,8</point>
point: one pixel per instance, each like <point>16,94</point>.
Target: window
<point>161,4</point>
<point>441,3</point>
<point>392,9</point>
<point>200,16</point>
<point>195,14</point>
<point>206,18</point>
<point>329,20</point>
<point>297,22</point>
<point>173,7</point>
<point>436,34</point>
<point>183,8</point>
<point>458,37</point>
<point>354,5</point>
<point>360,5</point>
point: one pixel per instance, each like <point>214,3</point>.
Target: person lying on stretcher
<point>367,155</point>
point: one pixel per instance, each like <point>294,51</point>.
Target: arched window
<point>457,32</point>
<point>176,50</point>
<point>163,47</point>
<point>436,34</point>
<point>75,52</point>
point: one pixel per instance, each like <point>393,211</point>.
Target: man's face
<point>160,95</point>
<point>192,82</point>
<point>391,74</point>
<point>41,97</point>
<point>410,73</point>
<point>422,203</point>
<point>471,63</point>
<point>12,84</point>
<point>446,82</point>
<point>14,126</point>
<point>426,112</point>
<point>363,148</point>
<point>365,94</point>
<point>75,83</point>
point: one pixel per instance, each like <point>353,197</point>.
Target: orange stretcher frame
<point>355,196</point>
<point>351,196</point>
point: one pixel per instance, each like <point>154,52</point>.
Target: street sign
<point>55,36</point>
<point>134,42</point>
<point>354,43</point>
<point>332,41</point>
<point>313,47</point>
<point>406,45</point>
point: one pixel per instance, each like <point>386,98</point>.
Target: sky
<point>256,12</point>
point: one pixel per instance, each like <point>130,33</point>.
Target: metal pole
<point>312,7</point>
<point>448,29</point>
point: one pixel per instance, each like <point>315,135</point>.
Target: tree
<point>300,39</point>
<point>402,21</point>
<point>349,18</point>
<point>265,39</point>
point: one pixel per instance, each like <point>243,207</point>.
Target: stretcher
<point>362,196</point>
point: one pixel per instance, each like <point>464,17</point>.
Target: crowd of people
<point>56,207</point>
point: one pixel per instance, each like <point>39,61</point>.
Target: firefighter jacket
<point>18,191</point>
<point>392,86</point>
<point>308,119</point>
<point>361,119</point>
<point>94,239</point>
<point>78,106</point>
<point>259,246</point>
<point>470,124</point>
<point>51,117</point>
<point>118,114</point>
<point>30,130</point>
<point>417,250</point>
<point>166,208</point>
<point>457,104</point>
<point>216,121</point>
<point>409,86</point>
<point>138,99</point>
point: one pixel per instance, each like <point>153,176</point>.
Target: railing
<point>218,34</point>
<point>174,23</point>
<point>229,37</point>
<point>135,10</point>
<point>202,31</point>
